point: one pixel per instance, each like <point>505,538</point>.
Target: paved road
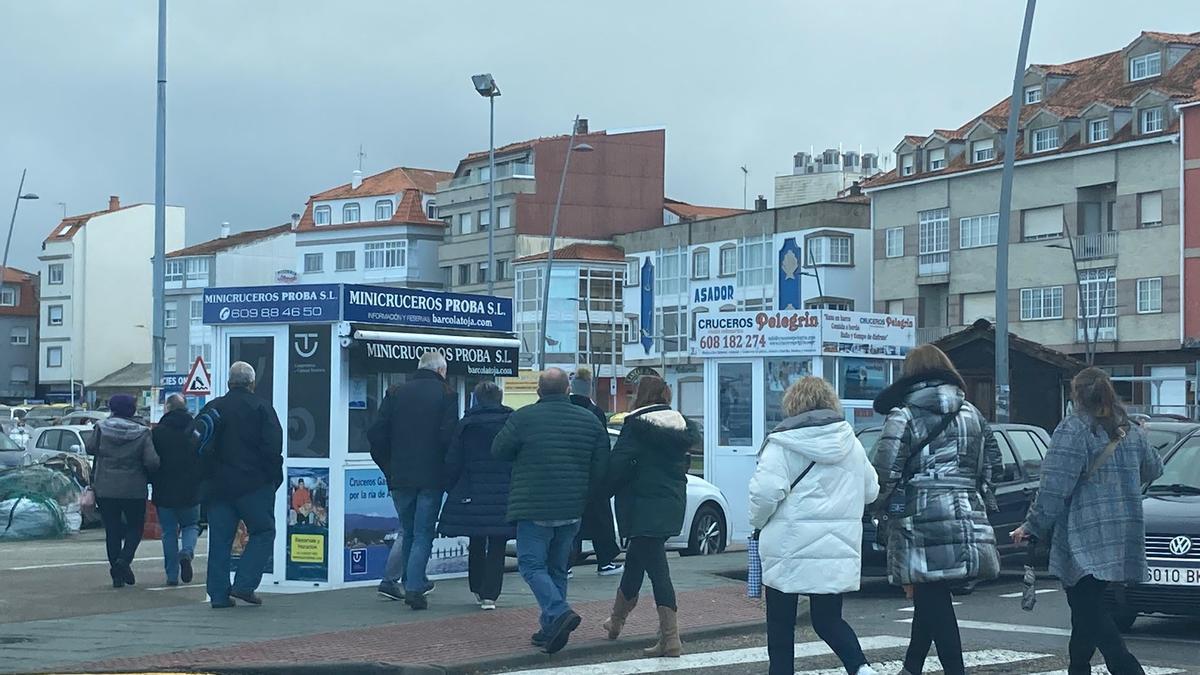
<point>998,637</point>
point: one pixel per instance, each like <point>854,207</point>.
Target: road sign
<point>198,382</point>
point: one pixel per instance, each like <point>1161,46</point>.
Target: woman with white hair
<point>806,504</point>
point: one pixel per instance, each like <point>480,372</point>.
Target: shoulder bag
<point>899,505</point>
<point>754,561</point>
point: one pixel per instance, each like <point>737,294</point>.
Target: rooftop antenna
<point>745,181</point>
<point>361,155</point>
<point>64,208</point>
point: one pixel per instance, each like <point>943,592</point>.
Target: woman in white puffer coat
<point>807,498</point>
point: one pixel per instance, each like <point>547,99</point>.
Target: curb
<point>327,669</point>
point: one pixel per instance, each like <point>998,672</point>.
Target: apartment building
<point>19,322</point>
<point>379,230</point>
<point>251,258</point>
<point>1189,211</point>
<point>818,178</point>
<point>1095,257</point>
<point>614,185</point>
<point>95,300</point>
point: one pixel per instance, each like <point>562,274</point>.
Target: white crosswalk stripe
<point>1101,670</point>
<point>984,657</point>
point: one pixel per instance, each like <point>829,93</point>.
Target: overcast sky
<point>268,101</point>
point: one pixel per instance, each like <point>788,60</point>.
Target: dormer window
<point>1033,94</point>
<point>984,150</point>
<point>906,165</point>
<point>1098,130</point>
<point>1152,120</point>
<point>1045,139</point>
<point>1145,66</point>
<point>321,215</point>
<point>350,213</point>
<point>383,209</point>
<point>937,159</point>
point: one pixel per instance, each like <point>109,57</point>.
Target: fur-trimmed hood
<point>660,425</point>
<point>949,386</point>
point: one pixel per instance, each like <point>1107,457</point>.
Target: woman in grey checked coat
<point>1091,508</point>
<point>944,536</point>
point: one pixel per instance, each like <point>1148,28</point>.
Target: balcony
<point>507,170</point>
<point>933,264</point>
<point>1106,331</point>
<point>1096,245</point>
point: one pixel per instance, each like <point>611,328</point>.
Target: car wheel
<point>708,534</point>
<point>1124,619</point>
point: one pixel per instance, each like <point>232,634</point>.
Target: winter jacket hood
<point>121,430</point>
<point>648,471</point>
<point>821,436</point>
<point>124,459</point>
<point>947,395</point>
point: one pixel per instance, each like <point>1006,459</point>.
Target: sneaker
<point>866,669</point>
<point>185,569</point>
<point>246,596</point>
<point>126,571</point>
<point>390,590</point>
<point>560,631</point>
<point>416,601</point>
<point>487,604</point>
<point>431,589</point>
<point>610,569</point>
<point>570,573</point>
<point>224,604</point>
<point>538,639</point>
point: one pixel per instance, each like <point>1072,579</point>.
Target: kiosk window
<point>778,375</point>
<point>735,402</point>
<point>259,352</point>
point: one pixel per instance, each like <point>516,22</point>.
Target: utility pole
<point>158,338</point>
<point>745,183</point>
<point>1006,181</point>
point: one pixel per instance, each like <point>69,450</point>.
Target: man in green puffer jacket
<point>560,454</point>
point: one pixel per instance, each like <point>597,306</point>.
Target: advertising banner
<point>862,379</point>
<point>402,357</point>
<point>312,303</point>
<point>308,391</point>
<point>713,294</point>
<point>771,333</point>
<point>426,309</point>
<point>885,336</point>
<point>308,524</point>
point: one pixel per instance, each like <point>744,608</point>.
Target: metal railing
<point>933,264</point>
<point>1105,331</point>
<point>1096,245</point>
<point>509,170</point>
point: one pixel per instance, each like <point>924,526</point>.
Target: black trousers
<point>647,557</point>
<point>485,566</point>
<point>827,621</point>
<point>597,526</point>
<point>934,623</point>
<point>123,522</point>
<point>1092,628</point>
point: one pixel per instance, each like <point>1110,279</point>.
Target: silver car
<point>48,442</point>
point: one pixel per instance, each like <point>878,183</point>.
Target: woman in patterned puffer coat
<point>944,535</point>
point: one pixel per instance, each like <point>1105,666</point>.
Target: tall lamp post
<point>157,329</point>
<point>562,183</point>
<point>485,84</point>
<point>13,221</point>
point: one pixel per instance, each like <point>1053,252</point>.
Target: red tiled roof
<point>687,211</point>
<point>525,145</point>
<point>587,252</point>
<point>75,223</point>
<point>14,275</point>
<point>390,182</point>
<point>1173,38</point>
<point>232,241</point>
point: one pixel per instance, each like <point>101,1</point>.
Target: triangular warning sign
<point>198,383</point>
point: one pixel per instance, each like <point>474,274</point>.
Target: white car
<point>48,442</point>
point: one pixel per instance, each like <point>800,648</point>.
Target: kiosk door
<point>732,440</point>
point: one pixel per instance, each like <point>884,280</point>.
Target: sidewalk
<point>355,626</point>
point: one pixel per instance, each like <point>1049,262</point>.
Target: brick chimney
<point>760,204</point>
<point>114,202</point>
<point>581,126</point>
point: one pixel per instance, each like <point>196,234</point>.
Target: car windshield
<point>7,443</point>
<point>1181,472</point>
<point>1162,439</point>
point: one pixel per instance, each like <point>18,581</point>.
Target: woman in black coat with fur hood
<point>648,474</point>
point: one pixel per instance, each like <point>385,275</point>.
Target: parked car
<point>47,442</point>
<point>1172,511</point>
<point>83,417</point>
<point>1022,446</point>
<point>10,452</point>
<point>1164,435</point>
<point>45,415</point>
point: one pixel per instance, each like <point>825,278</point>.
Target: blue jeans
<point>543,556</point>
<point>257,510</point>
<point>418,512</point>
<point>178,522</point>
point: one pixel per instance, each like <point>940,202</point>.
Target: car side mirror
<point>77,449</point>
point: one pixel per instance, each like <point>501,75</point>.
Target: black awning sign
<point>466,359</point>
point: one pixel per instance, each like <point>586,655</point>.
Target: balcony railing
<point>1096,245</point>
<point>933,264</point>
<point>1100,329</point>
<point>508,170</point>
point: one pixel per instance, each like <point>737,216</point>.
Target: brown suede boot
<point>668,635</point>
<point>622,606</point>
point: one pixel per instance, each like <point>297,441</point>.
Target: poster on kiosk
<point>752,357</point>
<point>325,356</point>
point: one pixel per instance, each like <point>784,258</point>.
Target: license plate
<point>1173,576</point>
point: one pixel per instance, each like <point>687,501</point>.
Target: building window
<point>1039,304</point>
<point>465,225</point>
<point>481,273</point>
<point>633,329</point>
<point>485,220</point>
<point>1150,209</point>
<point>700,263</point>
<point>448,276</point>
<point>633,271</point>
<point>54,315</point>
<point>727,265</point>
<point>197,271</point>
<point>937,159</point>
<point>673,327</point>
<point>978,230</point>
<point>828,251</point>
<point>196,311</point>
<point>1152,120</point>
<point>501,269</point>
<point>1045,139</point>
<point>350,213</point>
<point>503,217</point>
<point>601,288</point>
<point>831,304</point>
<point>1098,300</point>
<point>170,358</point>
<point>203,351</point>
<point>55,274</point>
<point>19,375</point>
<point>1098,130</point>
<point>384,209</point>
<point>984,150</point>
<point>343,261</point>
<point>1044,223</point>
<point>173,274</point>
<point>170,315</point>
<point>528,292</point>
<point>753,264</point>
<point>8,296</point>
<point>385,255</point>
<point>894,242</point>
<point>54,357</point>
<point>314,263</point>
<point>464,274</point>
<point>1149,295</point>
<point>1033,95</point>
<point>19,337</point>
<point>1142,67</point>
<point>321,215</point>
<point>431,209</point>
<point>670,272</point>
<point>906,165</point>
<point>933,242</point>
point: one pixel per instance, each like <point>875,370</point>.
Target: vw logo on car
<point>1181,545</point>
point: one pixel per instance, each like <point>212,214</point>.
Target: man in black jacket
<point>409,442</point>
<point>597,525</point>
<point>176,494</point>
<point>241,450</point>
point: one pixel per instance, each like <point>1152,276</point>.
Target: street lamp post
<point>13,221</point>
<point>562,183</point>
<point>485,84</point>
<point>157,330</point>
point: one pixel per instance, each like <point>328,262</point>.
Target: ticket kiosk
<point>325,354</point>
<point>750,359</point>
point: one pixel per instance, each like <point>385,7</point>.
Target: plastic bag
<point>30,517</point>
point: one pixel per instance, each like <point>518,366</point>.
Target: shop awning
<point>389,351</point>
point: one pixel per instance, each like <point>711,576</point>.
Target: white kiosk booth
<point>325,354</point>
<point>751,358</point>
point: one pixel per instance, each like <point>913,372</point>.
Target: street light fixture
<point>12,221</point>
<point>485,85</point>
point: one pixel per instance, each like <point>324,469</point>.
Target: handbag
<point>754,560</point>
<point>898,504</point>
